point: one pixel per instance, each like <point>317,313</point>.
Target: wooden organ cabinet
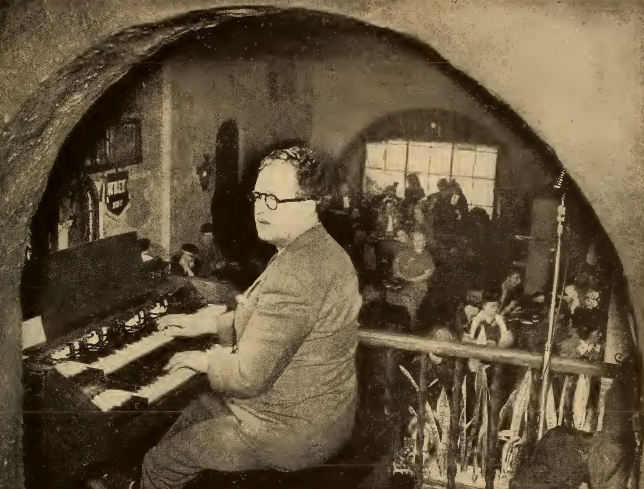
<point>95,387</point>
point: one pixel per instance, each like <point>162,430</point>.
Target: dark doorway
<point>225,199</point>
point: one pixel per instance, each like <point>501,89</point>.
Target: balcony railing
<point>478,406</point>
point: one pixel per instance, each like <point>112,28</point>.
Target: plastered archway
<point>29,144</point>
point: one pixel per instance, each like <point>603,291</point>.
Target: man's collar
<point>312,234</point>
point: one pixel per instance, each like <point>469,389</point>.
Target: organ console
<point>96,390</point>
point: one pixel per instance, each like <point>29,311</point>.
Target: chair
<point>347,469</point>
<point>341,471</point>
<point>351,465</point>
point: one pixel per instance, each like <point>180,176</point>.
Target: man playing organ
<point>283,377</point>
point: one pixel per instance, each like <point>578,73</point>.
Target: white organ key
<point>166,383</point>
<point>93,338</point>
<point>133,321</point>
<point>158,309</point>
<point>131,352</point>
<point>111,398</point>
<point>61,353</point>
<point>214,310</point>
<point>70,369</point>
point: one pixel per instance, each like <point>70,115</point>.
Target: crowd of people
<point>203,260</point>
<point>432,266</point>
<point>430,255</point>
<point>431,263</point>
<point>426,263</point>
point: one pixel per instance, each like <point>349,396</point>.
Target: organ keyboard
<point>126,361</point>
<point>95,388</point>
<point>122,357</point>
<point>111,399</point>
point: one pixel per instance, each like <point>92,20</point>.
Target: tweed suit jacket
<point>292,383</point>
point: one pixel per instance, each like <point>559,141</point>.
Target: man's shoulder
<point>325,246</point>
<point>320,256</point>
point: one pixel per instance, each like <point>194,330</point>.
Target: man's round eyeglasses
<point>270,200</point>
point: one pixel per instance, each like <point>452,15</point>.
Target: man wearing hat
<point>185,262</point>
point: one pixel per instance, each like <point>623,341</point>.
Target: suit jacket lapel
<point>248,300</point>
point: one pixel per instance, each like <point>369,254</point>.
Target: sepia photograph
<point>342,244</point>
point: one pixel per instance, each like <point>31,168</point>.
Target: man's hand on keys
<point>194,360</point>
<point>188,325</point>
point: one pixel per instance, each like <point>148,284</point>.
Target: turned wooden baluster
<point>496,402</point>
<point>420,432</point>
<point>606,384</point>
<point>381,476</point>
<point>393,408</point>
<point>455,416</point>
<point>63,234</point>
<point>580,402</point>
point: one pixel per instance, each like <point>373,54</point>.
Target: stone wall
<point>345,79</point>
<point>571,71</point>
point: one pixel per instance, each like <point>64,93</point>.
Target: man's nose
<point>261,207</point>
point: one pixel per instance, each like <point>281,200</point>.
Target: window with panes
<point>472,166</point>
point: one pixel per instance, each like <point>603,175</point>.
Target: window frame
<point>454,146</point>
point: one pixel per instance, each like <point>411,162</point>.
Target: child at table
<point>487,327</point>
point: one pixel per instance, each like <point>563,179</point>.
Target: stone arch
<point>30,142</point>
<point>413,123</point>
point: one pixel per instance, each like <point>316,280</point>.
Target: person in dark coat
<point>210,257</point>
<point>414,193</point>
